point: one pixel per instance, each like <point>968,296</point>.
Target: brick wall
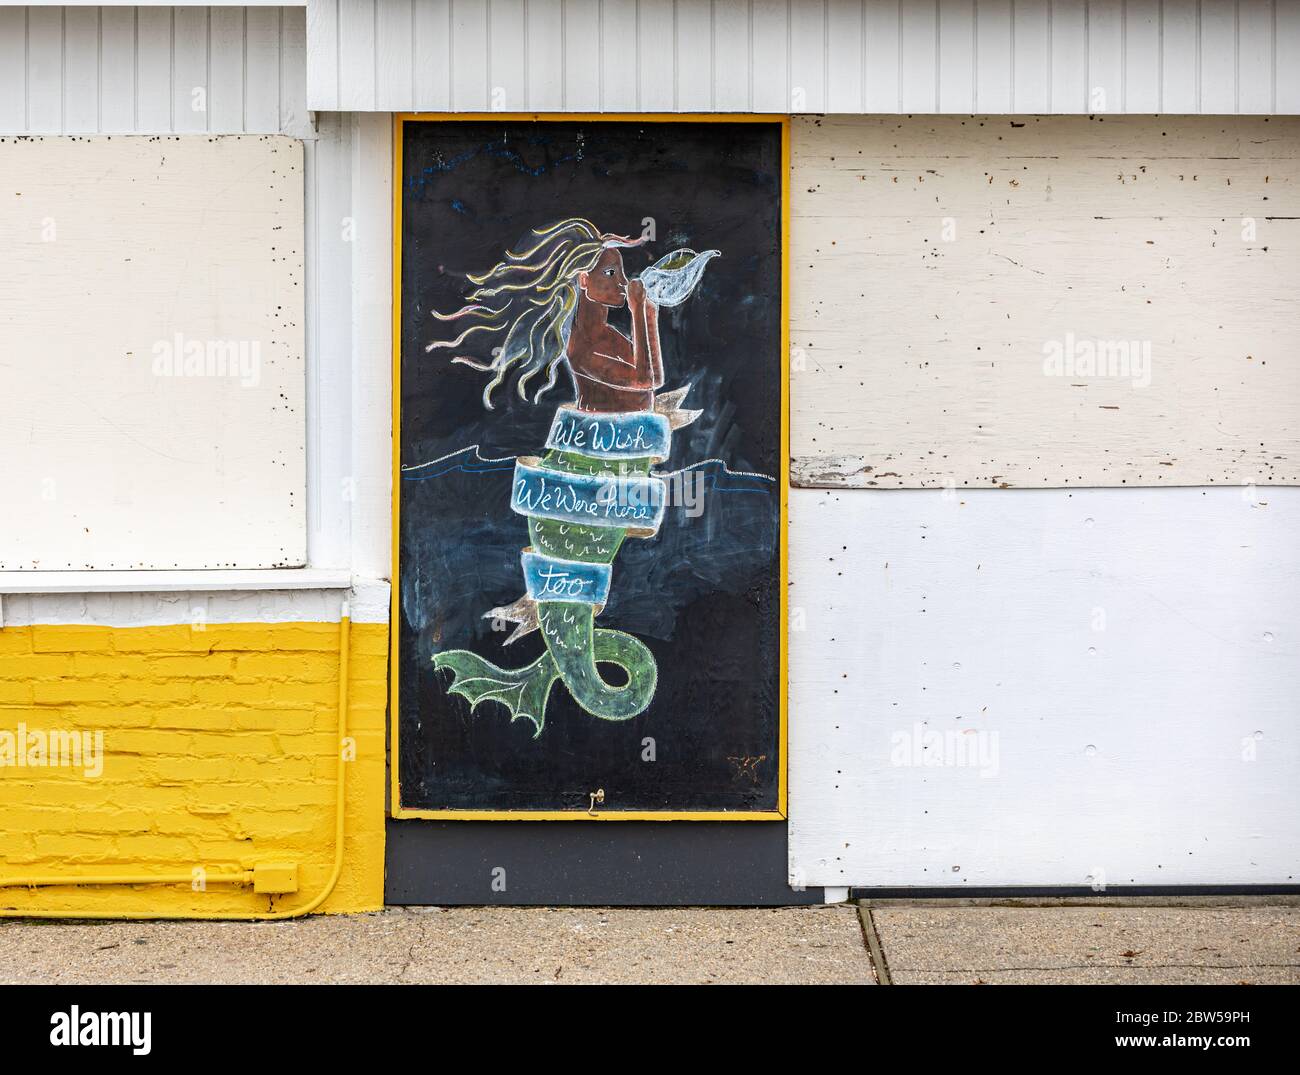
<point>218,752</point>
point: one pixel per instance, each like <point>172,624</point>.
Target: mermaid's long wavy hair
<point>528,301</point>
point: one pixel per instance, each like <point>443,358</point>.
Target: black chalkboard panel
<point>589,595</point>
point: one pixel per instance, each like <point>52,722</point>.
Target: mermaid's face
<point>606,283</point>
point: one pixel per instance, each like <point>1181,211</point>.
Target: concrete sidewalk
<point>1257,942</point>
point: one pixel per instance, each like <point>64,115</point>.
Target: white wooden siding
<point>935,260</point>
<point>153,70</point>
<point>1041,687</point>
<point>806,56</point>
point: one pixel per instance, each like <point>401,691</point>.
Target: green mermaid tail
<point>575,647</point>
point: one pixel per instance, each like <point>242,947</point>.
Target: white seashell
<point>671,279</point>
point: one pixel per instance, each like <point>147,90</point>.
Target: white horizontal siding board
<point>1218,36</point>
<point>294,118</point>
<point>583,75</point>
<point>808,55</point>
<point>1180,62</point>
<point>770,34</point>
<point>1255,75</point>
<point>617,56</point>
<point>1142,56</point>
<point>81,69</point>
<point>881,56</point>
<point>657,49</point>
<point>1106,88</point>
<point>1286,45</point>
<point>545,47</point>
<point>692,29</point>
<point>1119,669</point>
<point>1004,238</point>
<point>357,57</point>
<point>844,55</point>
<point>732,59</point>
<point>1031,70</point>
<point>394,55</point>
<point>226,77</point>
<point>1068,44</point>
<point>45,71</point>
<point>956,34</point>
<point>323,55</point>
<point>13,69</point>
<point>993,29</point>
<point>153,69</point>
<point>919,60</point>
<point>190,91</point>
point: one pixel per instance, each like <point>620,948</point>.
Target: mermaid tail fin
<point>523,691</point>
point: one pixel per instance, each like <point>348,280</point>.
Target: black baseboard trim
<point>1031,892</point>
<point>590,864</point>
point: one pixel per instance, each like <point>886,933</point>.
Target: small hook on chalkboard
<point>597,796</point>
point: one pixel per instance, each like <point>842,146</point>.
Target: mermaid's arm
<point>652,336</point>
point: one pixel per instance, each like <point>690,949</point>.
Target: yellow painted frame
<point>579,814</point>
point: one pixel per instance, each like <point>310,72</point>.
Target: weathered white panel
<point>394,47</point>
<point>153,70</point>
<point>1045,687</point>
<point>939,262</point>
<point>126,255</point>
<point>834,56</point>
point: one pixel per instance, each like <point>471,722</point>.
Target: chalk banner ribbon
<point>630,501</point>
<point>629,435</point>
<point>551,579</point>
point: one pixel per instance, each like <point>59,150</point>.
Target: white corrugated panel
<point>813,56</point>
<point>153,70</point>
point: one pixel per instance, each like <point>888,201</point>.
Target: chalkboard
<point>591,469</point>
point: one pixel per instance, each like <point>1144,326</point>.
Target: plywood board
<point>1044,687</point>
<point>151,328</point>
<point>954,277</point>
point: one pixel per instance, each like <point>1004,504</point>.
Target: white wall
<point>941,263</point>
<point>1111,677</point>
<point>153,347</point>
<point>810,56</point>
<point>133,70</point>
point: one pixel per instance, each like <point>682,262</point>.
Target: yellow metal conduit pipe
<point>242,877</point>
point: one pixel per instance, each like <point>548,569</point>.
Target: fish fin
<point>523,613</point>
<point>523,691</point>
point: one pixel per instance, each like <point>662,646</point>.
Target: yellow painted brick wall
<point>219,752</point>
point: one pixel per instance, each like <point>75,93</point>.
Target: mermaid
<point>593,488</point>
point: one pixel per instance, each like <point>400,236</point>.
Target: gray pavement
<point>1254,941</point>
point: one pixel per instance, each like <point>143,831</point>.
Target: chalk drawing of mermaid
<point>548,304</point>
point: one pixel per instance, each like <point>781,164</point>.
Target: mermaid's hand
<point>635,294</point>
